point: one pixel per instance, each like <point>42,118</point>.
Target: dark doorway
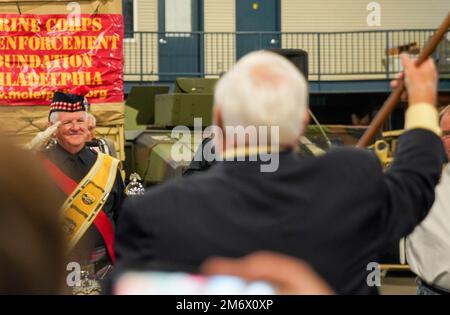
<point>179,40</point>
<point>258,25</point>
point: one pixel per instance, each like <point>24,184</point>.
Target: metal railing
<point>331,55</point>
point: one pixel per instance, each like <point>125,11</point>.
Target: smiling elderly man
<point>90,181</point>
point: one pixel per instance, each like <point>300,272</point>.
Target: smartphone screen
<point>180,283</point>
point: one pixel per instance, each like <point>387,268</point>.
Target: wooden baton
<point>393,99</point>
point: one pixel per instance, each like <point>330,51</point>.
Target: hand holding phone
<point>261,273</point>
<point>288,275</point>
<point>180,283</point>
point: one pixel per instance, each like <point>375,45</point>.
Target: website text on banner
<point>40,54</point>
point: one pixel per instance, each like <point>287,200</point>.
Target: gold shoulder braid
<point>82,206</point>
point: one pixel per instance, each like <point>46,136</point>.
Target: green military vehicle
<point>158,149</point>
<point>155,147</point>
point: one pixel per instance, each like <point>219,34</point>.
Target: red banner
<point>40,54</point>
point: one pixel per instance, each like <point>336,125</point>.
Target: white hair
<point>264,89</point>
<point>92,118</point>
<point>54,117</point>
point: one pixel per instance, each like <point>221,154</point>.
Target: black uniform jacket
<point>337,212</point>
<point>199,163</point>
<point>76,167</point>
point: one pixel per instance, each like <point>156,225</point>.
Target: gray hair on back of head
<point>91,117</point>
<point>264,89</point>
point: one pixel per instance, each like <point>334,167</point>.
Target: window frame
<point>135,24</point>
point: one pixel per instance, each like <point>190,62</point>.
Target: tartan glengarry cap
<point>69,102</point>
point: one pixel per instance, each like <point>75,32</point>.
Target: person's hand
<point>395,83</point>
<point>421,82</point>
<point>289,275</point>
<point>42,138</point>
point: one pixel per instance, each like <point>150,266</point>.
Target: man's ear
<point>217,117</point>
<point>218,123</point>
<point>306,118</point>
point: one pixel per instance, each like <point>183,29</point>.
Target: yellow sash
<point>86,201</point>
